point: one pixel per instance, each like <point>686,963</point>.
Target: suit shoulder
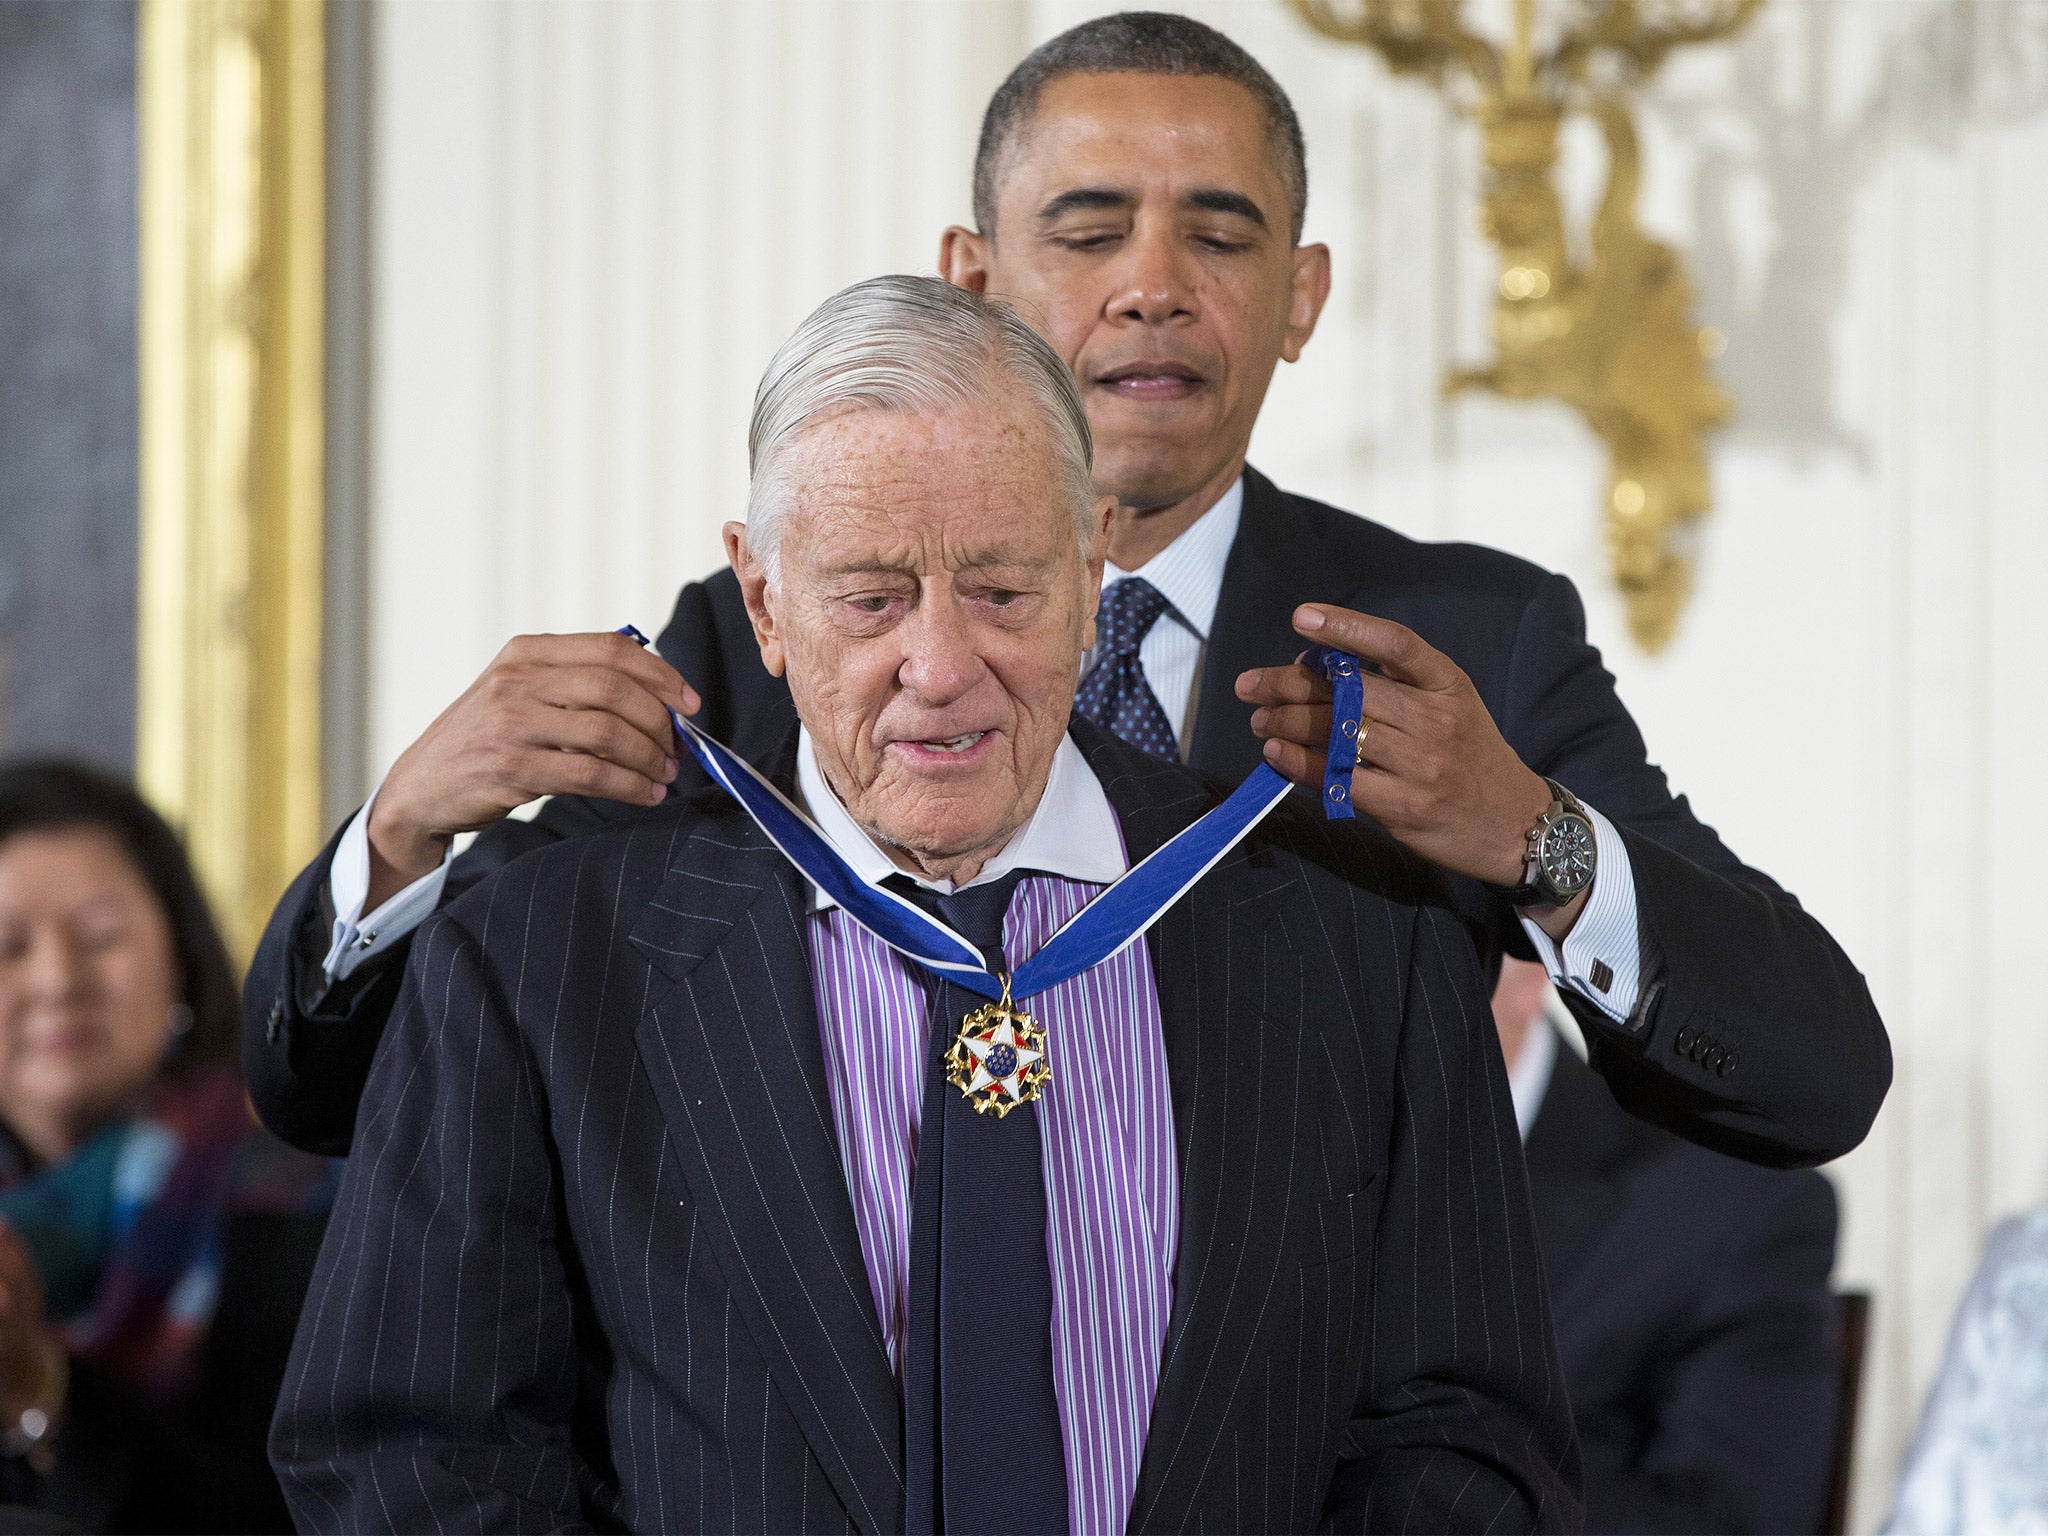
<point>625,863</point>
<point>1156,800</point>
<point>1349,860</point>
<point>1448,569</point>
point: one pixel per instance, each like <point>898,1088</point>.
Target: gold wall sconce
<point>1610,335</point>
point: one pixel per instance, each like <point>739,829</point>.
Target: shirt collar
<point>1529,1073</point>
<point>1189,571</point>
<point>1073,833</point>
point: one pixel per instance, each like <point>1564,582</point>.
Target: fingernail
<point>1259,719</point>
<point>1308,618</point>
<point>1271,751</point>
<point>671,765</point>
<point>691,702</point>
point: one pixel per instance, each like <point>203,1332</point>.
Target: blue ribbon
<point>1347,712</point>
<point>1105,927</point>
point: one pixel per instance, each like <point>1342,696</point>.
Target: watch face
<point>1567,855</point>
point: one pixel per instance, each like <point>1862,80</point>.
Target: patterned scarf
<point>129,1232</point>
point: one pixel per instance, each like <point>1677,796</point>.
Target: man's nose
<point>939,659</point>
<point>1155,284</point>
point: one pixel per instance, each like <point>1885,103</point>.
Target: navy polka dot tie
<point>1115,694</point>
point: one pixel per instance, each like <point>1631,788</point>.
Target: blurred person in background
<point>1690,1296</point>
<point>1979,1460</point>
<point>155,1244</point>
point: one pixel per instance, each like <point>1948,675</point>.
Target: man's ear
<point>965,259</point>
<point>1311,287</point>
<point>754,592</point>
<point>1098,551</point>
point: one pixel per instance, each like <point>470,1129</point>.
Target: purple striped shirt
<point>1112,1190</point>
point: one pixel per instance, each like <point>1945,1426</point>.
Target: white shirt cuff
<point>1602,958</point>
<point>357,937</point>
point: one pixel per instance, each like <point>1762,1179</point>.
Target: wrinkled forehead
<point>971,483</point>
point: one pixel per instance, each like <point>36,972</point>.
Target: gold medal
<point>999,1060</point>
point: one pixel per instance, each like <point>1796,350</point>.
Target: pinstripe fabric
<point>595,1260</point>
<point>1106,1125</point>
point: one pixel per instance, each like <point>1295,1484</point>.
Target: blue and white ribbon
<point>1109,924</point>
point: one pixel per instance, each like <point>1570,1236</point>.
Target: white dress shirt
<point>1603,945</point>
<point>1529,1073</point>
<point>1073,833</point>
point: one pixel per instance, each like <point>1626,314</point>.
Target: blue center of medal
<point>1001,1061</point>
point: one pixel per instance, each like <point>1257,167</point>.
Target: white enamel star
<point>1004,1034</point>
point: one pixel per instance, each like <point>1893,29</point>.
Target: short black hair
<point>62,797</point>
<point>1139,43</point>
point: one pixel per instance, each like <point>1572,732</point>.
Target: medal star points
<point>999,1059</point>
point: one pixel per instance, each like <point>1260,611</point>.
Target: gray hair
<point>907,344</point>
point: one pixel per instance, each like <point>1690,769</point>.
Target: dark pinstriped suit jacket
<point>595,1261</point>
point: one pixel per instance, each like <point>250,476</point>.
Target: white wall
<point>595,221</point>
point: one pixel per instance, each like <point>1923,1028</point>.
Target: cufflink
<point>1603,975</point>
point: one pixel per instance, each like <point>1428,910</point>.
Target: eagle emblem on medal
<point>998,1060</point>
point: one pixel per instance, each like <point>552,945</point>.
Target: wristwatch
<point>1562,854</point>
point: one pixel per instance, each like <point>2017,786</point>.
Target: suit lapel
<point>1228,1002</point>
<point>1275,563</point>
<point>732,1049</point>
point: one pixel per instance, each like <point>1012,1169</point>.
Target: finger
<point>1283,685</point>
<point>607,650</point>
<point>594,733</point>
<point>1381,745</point>
<point>540,771</point>
<point>613,692</point>
<point>1294,762</point>
<point>1405,655</point>
<point>1306,725</point>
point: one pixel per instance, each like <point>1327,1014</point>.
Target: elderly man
<point>684,1199</point>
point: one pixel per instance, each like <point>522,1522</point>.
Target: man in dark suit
<point>671,1208</point>
<point>1140,190</point>
<point>1690,1296</point>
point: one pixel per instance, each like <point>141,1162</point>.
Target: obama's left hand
<point>1433,768</point>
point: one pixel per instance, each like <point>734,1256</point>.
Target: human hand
<point>551,715</point>
<point>1433,768</point>
<point>31,1360</point>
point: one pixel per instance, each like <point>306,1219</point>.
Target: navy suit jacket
<point>595,1261</point>
<point>1698,1332</point>
<point>1785,1061</point>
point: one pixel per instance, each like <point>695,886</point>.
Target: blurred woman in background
<point>154,1243</point>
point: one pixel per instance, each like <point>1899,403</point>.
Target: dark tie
<point>982,1447</point>
<point>1115,694</point>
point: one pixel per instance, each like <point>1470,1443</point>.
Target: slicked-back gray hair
<point>906,344</point>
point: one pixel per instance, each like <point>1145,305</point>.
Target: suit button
<point>1682,1041</point>
<point>1713,1059</point>
<point>1726,1064</point>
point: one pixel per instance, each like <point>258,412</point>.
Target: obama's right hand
<point>551,715</point>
